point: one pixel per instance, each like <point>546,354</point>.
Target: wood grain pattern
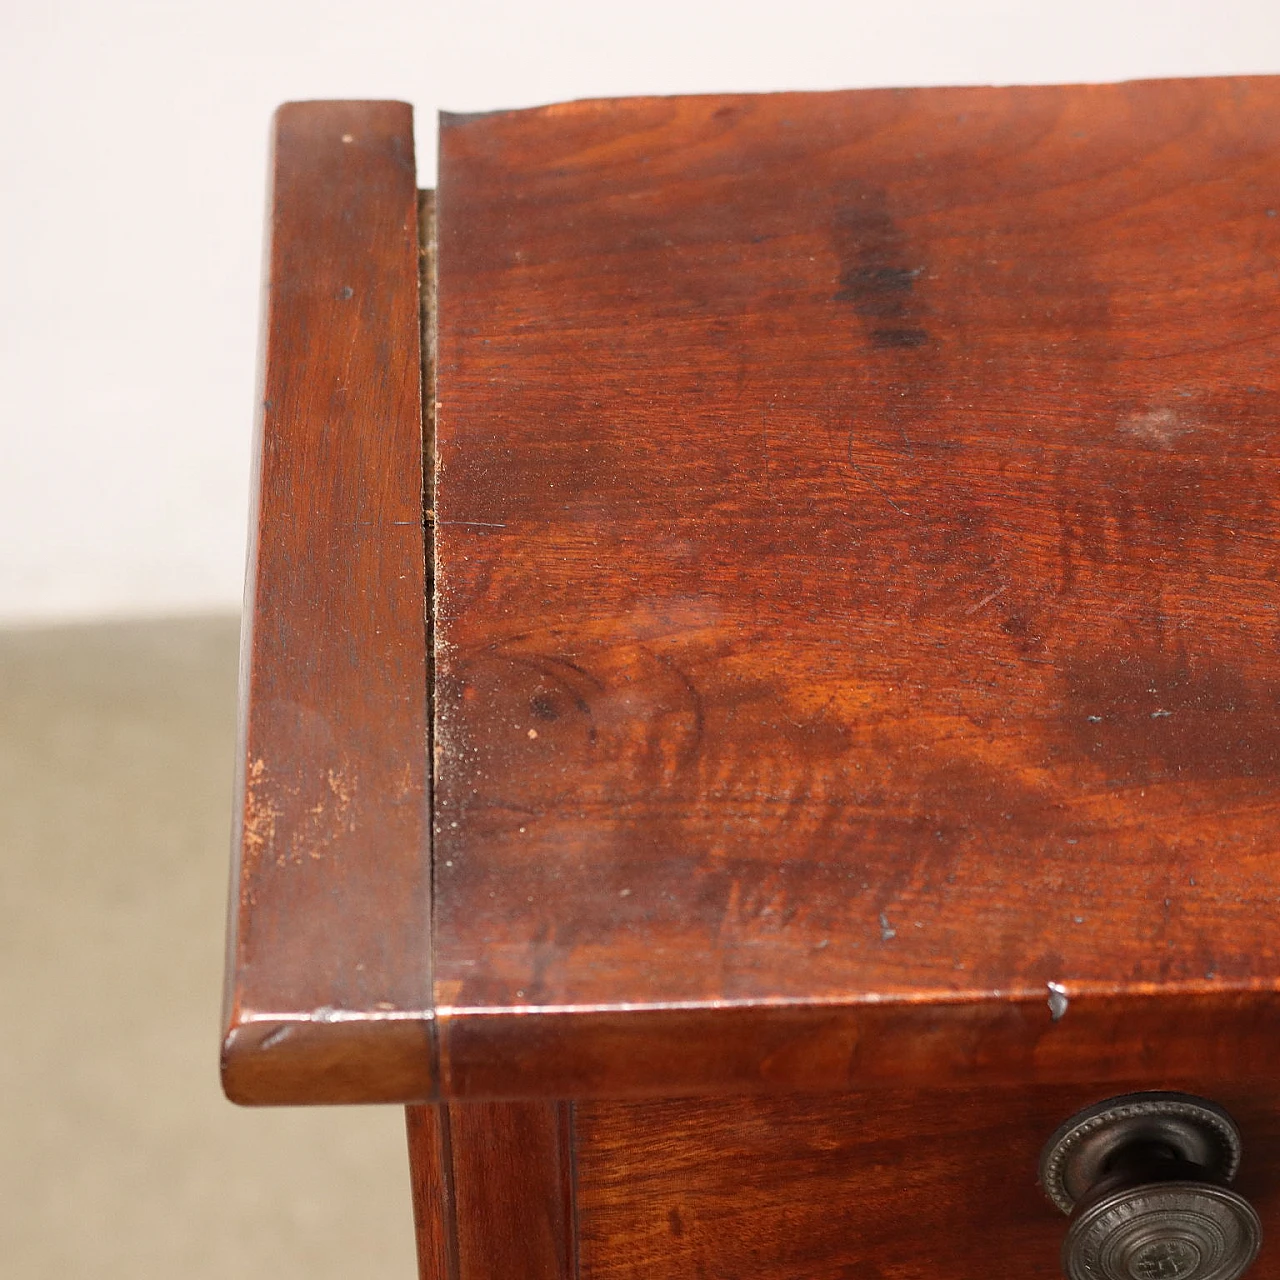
<point>512,1175</point>
<point>493,1190</point>
<point>329,988</point>
<point>856,585</point>
<point>857,597</point>
<point>431,1180</point>
<point>1214,1037</point>
<point>881,1186</point>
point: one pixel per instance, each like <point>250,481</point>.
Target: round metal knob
<point>1146,1179</point>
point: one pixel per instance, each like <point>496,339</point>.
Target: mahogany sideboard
<point>761,679</point>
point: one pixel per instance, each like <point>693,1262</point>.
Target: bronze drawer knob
<point>1146,1180</point>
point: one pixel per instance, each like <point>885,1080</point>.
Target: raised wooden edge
<point>328,995</point>
<point>1062,1035</point>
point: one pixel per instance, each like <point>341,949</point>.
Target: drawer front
<point>883,1186</point>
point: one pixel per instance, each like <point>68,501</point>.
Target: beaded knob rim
<point>1203,1115</point>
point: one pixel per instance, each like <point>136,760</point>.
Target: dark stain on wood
<point>1161,717</point>
<point>874,275</point>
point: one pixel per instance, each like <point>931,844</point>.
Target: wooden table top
<point>855,595</point>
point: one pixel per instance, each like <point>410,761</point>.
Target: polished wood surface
<point>894,1184</point>
<point>1216,1038</point>
<point>431,1183</point>
<point>855,593</point>
<point>855,623</point>
<point>855,583</point>
<point>329,971</point>
<point>493,1190</point>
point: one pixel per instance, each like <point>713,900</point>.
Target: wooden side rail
<point>329,975</point>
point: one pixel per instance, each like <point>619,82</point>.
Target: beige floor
<point>118,1156</point>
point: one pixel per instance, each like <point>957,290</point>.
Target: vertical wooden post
<point>493,1190</point>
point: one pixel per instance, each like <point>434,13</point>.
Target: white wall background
<point>132,167</point>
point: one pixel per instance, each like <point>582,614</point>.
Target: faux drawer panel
<point>878,1186</point>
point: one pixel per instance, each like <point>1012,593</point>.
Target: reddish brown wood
<point>431,1178</point>
<point>856,596</point>
<point>856,587</point>
<point>329,986</point>
<point>511,1178</point>
<point>493,1190</point>
<point>1213,1037</point>
<point>940,1183</point>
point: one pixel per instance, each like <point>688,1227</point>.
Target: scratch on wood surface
<point>862,475</point>
<point>986,600</point>
<point>278,1036</point>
